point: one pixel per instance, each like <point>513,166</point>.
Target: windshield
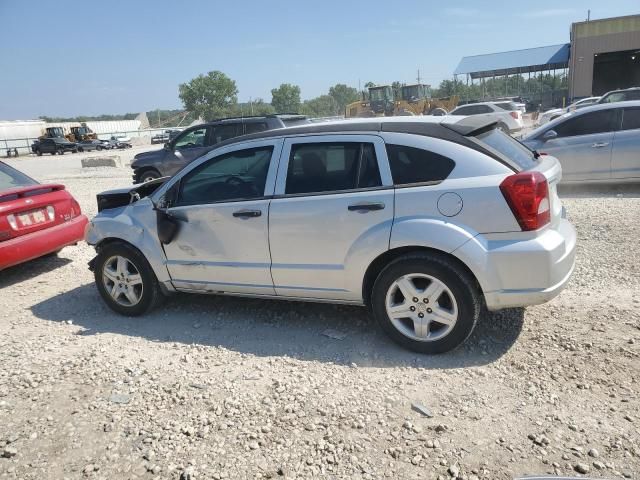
<point>12,178</point>
<point>508,147</point>
<point>411,92</point>
<point>377,94</point>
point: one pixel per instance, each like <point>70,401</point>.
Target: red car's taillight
<point>514,115</point>
<point>527,194</point>
<point>75,208</point>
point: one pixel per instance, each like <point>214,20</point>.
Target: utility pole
<point>419,76</point>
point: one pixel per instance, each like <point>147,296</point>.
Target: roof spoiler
<point>471,126</point>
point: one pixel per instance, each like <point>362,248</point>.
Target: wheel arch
<point>380,262</point>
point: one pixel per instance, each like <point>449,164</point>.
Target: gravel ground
<point>217,387</point>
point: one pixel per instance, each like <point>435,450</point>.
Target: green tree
<point>322,106</point>
<point>256,107</point>
<point>209,96</point>
<point>343,95</point>
<point>286,98</point>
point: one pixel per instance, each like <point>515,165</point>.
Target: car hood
<point>121,197</point>
<point>147,158</point>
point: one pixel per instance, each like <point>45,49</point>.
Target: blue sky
<point>69,58</point>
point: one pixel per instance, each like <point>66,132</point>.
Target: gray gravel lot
<point>217,387</point>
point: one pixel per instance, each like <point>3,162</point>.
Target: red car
<point>35,219</point>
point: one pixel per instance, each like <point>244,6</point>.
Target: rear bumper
<point>517,273</point>
<point>37,244</point>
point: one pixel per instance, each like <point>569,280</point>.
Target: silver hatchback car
<point>594,144</point>
<point>423,220</point>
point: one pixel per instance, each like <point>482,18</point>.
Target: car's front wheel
<point>426,303</point>
<point>148,175</point>
<point>38,152</point>
<point>125,279</point>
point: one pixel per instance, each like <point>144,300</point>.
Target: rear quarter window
<point>508,147</point>
<point>415,165</point>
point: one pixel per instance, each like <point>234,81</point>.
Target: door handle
<point>600,145</point>
<point>247,213</point>
<point>366,207</point>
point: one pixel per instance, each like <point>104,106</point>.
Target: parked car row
<point>60,145</point>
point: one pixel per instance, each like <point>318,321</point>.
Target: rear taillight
<point>75,208</point>
<point>514,115</point>
<point>527,194</point>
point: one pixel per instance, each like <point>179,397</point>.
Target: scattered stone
<point>9,452</point>
<point>581,468</point>
<point>594,453</point>
<point>121,398</point>
<point>421,409</point>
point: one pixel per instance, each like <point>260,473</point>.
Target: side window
<point>415,165</point>
<point>631,119</point>
<point>237,175</point>
<point>225,131</point>
<point>588,124</point>
<point>483,109</point>
<point>328,167</point>
<point>254,127</point>
<point>463,111</point>
<point>192,139</point>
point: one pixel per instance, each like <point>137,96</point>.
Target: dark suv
<point>54,145</point>
<point>200,139</point>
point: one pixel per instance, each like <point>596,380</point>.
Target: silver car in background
<point>600,143</point>
<point>425,220</point>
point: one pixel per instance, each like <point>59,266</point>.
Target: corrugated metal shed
<point>21,129</point>
<point>515,61</point>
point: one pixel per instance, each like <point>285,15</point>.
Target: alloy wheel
<point>421,307</point>
<point>122,281</point>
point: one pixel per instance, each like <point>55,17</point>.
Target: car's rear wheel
<point>148,175</point>
<point>98,148</point>
<point>38,152</point>
<point>125,280</point>
<point>426,303</point>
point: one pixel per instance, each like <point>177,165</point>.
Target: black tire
<point>148,175</point>
<point>75,150</point>
<point>459,282</point>
<point>151,295</point>
<point>98,148</point>
<point>60,151</point>
<point>38,152</point>
<point>81,150</point>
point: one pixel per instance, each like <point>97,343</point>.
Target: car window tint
<point>415,165</point>
<point>11,178</point>
<point>463,111</point>
<point>590,123</point>
<point>254,127</point>
<point>483,109</point>
<point>225,132</point>
<point>631,119</point>
<point>509,106</point>
<point>237,175</point>
<point>508,147</point>
<point>192,139</point>
<point>327,167</point>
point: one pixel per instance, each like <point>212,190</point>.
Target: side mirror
<point>549,134</point>
<point>167,146</point>
<point>167,226</point>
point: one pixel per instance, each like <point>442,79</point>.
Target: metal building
<point>605,55</point>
